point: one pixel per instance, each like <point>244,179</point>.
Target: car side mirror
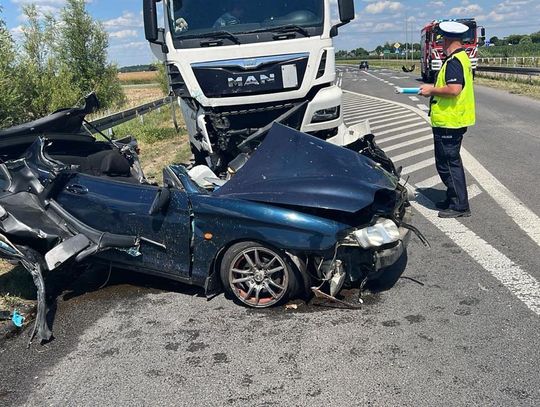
<point>161,202</point>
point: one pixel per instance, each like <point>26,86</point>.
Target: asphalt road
<point>468,336</point>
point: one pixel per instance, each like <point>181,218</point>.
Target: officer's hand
<point>181,25</point>
<point>425,90</point>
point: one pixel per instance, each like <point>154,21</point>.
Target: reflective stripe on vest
<point>455,112</point>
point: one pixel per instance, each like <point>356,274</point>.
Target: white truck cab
<point>238,65</point>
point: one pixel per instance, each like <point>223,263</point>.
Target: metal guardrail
<point>115,119</point>
<point>510,70</point>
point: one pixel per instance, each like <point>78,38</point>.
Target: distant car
<point>364,65</point>
<point>297,212</point>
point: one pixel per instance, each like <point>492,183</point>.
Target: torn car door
<point>125,208</point>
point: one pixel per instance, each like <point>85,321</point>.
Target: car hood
<point>293,168</point>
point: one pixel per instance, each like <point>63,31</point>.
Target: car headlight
<point>326,115</point>
<point>383,232</point>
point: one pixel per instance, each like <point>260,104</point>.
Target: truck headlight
<point>383,232</point>
<point>326,115</point>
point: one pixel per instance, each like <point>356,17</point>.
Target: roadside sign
<point>397,45</point>
<point>386,51</point>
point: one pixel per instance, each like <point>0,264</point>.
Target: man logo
<point>251,80</point>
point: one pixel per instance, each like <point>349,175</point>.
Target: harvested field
<point>139,95</point>
<point>134,78</point>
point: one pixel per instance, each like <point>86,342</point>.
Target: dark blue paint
<point>293,168</point>
<point>122,208</point>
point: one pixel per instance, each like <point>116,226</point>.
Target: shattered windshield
<point>193,18</point>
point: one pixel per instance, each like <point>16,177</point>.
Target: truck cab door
<point>126,208</point>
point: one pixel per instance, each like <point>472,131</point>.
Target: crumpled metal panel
<point>293,168</point>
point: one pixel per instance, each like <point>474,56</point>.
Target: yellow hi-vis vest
<point>455,112</point>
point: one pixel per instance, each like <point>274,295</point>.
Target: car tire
<point>258,276</point>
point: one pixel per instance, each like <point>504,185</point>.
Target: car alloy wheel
<point>257,276</point>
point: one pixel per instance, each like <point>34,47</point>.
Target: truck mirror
<point>483,32</point>
<point>346,10</point>
<point>150,20</point>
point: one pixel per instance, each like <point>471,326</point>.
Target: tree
<point>359,52</point>
<point>514,39</point>
<point>10,97</point>
<point>526,39</point>
<point>535,37</point>
<point>82,48</point>
<point>494,40</point>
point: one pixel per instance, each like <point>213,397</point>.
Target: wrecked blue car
<point>291,214</point>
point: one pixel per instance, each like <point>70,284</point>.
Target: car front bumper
<point>387,257</point>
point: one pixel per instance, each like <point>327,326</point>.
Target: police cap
<point>452,29</point>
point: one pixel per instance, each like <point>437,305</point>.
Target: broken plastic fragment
<point>132,251</point>
<point>17,319</point>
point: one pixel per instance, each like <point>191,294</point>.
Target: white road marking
<point>359,107</point>
<point>473,191</point>
<point>526,219</point>
<point>407,143</point>
<point>413,153</point>
<point>414,98</point>
<point>429,183</point>
<point>423,107</point>
<point>391,84</point>
<point>372,108</point>
<point>396,122</point>
<point>402,135</point>
<point>389,118</point>
<point>524,286</point>
<point>381,112</point>
<point>382,133</point>
<point>378,114</point>
<point>419,166</point>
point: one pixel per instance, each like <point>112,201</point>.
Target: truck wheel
<point>258,276</point>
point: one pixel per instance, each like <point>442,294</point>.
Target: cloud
<point>382,6</point>
<point>469,10</point>
<point>128,19</point>
<point>123,34</point>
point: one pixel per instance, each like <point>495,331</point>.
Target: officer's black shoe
<point>452,213</point>
<point>443,205</point>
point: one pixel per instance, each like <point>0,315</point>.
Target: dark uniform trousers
<point>450,167</point>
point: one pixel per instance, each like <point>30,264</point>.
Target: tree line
<point>56,62</point>
<point>514,39</point>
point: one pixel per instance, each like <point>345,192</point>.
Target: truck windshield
<point>468,38</point>
<point>200,19</point>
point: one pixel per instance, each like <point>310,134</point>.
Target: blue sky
<point>376,21</point>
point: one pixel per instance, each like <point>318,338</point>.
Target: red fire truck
<point>432,56</point>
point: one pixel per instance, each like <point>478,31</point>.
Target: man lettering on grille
<point>452,112</point>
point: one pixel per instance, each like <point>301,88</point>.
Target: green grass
<point>159,142</point>
<point>16,286</point>
<point>518,86</point>
<point>520,50</point>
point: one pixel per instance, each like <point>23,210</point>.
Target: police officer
<point>452,112</point>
